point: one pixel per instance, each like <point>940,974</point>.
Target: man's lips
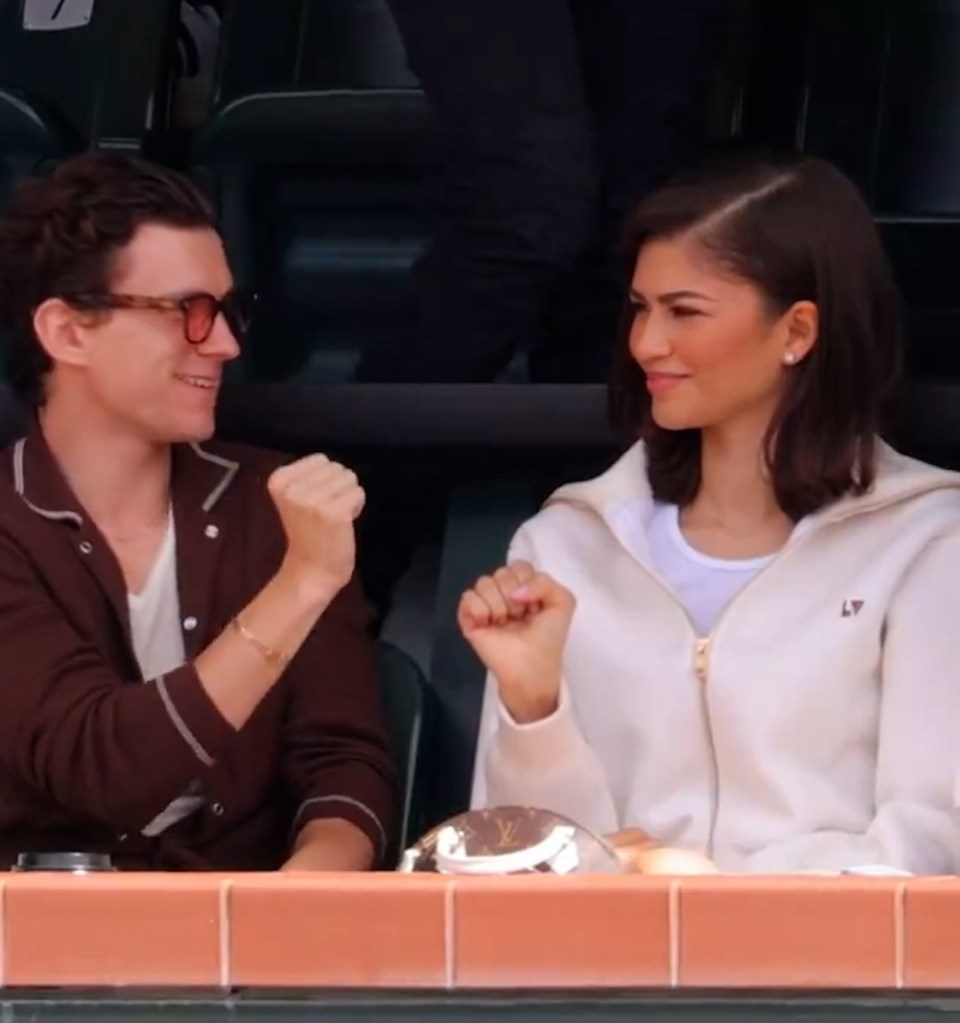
<point>202,383</point>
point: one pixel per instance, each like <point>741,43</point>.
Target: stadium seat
<point>66,88</point>
<point>407,709</point>
<point>317,147</point>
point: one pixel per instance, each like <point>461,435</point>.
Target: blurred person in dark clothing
<point>553,116</point>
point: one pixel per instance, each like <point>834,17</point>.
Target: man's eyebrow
<point>178,295</point>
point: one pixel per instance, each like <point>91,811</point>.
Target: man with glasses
<point>186,681</point>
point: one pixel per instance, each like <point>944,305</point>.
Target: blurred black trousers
<point>554,116</point>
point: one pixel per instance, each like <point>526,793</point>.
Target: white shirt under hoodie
<point>816,728</point>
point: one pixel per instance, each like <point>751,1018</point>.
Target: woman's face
<point>712,351</point>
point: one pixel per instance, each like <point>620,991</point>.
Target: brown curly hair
<point>61,233</point>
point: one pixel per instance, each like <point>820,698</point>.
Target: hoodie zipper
<point>701,668</point>
<point>702,648</point>
<point>701,658</point>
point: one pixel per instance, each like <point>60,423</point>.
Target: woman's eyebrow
<point>673,296</point>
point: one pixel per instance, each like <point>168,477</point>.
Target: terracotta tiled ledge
<point>400,931</point>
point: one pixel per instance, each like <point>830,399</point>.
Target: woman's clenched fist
<point>517,622</point>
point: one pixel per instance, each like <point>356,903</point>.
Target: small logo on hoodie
<point>851,608</point>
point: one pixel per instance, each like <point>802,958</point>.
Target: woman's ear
<point>802,321</point>
<point>59,329</point>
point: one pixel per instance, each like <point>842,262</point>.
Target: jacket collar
<point>198,481</point>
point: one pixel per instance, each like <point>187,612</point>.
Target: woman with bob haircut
<point>742,639</point>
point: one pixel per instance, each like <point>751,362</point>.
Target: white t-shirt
<point>155,613</point>
<point>704,585</point>
<point>158,645</point>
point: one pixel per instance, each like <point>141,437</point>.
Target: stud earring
<point>790,358</point>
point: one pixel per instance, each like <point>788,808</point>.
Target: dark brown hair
<point>797,229</point>
<point>61,233</point>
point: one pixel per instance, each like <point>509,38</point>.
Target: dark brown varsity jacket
<point>90,753</point>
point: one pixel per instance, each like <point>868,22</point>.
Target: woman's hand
<point>631,845</point>
<point>517,621</point>
<point>641,854</point>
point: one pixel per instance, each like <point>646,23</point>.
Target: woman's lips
<point>660,383</point>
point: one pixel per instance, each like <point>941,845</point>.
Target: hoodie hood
<point>622,499</point>
<point>625,486</point>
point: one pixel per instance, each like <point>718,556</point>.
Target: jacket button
<point>85,547</point>
<point>211,531</point>
<point>122,838</point>
<point>217,809</point>
<point>189,623</point>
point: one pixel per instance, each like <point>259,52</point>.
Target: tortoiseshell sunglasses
<point>199,310</point>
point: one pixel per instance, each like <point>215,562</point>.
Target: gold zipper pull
<point>701,659</point>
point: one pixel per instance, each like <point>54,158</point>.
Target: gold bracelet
<point>272,656</point>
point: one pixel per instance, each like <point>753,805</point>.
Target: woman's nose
<point>649,337</point>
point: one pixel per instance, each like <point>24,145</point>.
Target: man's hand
<point>318,501</point>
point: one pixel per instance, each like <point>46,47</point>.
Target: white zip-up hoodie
<point>816,728</point>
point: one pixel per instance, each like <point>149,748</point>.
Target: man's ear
<point>802,321</point>
<point>59,328</point>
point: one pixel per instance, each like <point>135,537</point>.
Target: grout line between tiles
<point>449,934</point>
<point>900,934</point>
<point>674,937</point>
<point>224,932</point>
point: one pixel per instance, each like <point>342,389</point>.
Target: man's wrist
<point>331,843</point>
<point>307,590</point>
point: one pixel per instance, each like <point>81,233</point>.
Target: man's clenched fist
<point>318,501</point>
